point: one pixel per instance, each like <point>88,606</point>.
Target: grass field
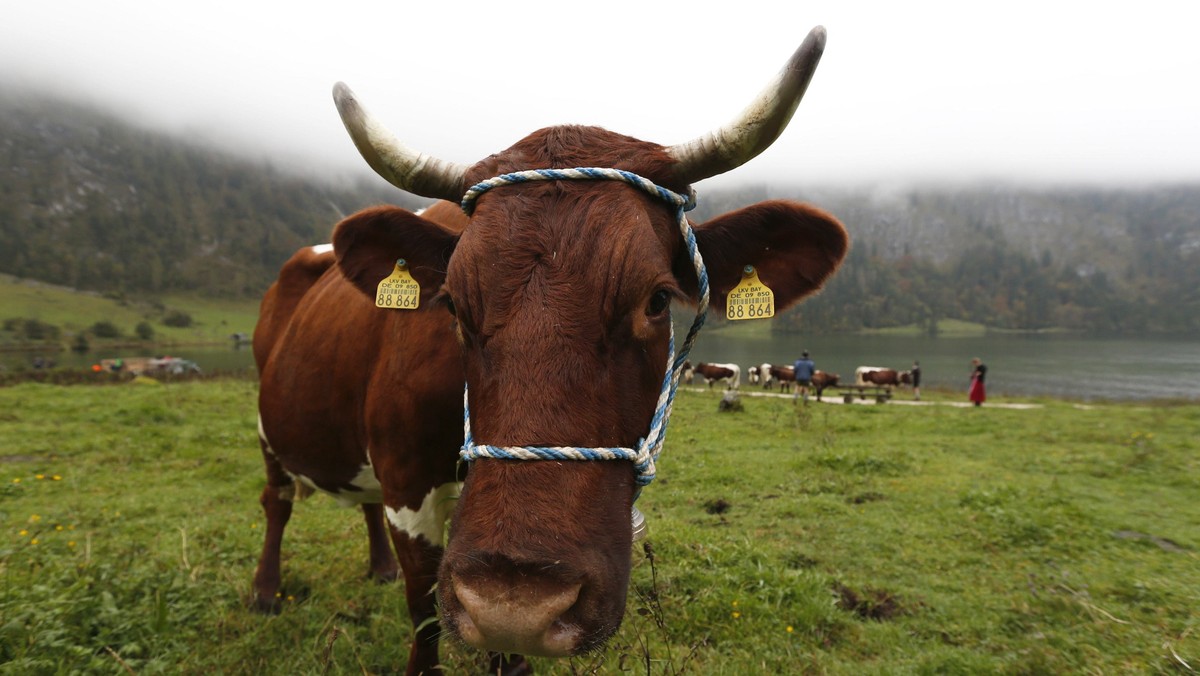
<point>213,320</point>
<point>785,539</point>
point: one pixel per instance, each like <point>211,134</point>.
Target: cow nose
<point>522,618</point>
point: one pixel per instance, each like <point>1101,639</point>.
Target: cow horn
<point>759,124</point>
<point>400,165</point>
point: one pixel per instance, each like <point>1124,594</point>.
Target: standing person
<point>915,375</point>
<point>804,369</point>
<point>977,393</point>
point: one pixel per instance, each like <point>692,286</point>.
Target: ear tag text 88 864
<point>750,299</point>
<point>398,291</point>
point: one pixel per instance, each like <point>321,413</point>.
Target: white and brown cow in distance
<point>553,303</point>
<point>881,377</point>
<point>784,375</point>
<point>730,374</point>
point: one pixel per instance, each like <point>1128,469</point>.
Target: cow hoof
<point>385,576</point>
<point>267,606</point>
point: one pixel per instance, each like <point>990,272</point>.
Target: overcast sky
<point>1063,92</point>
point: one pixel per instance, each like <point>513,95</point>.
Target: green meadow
<point>73,312</point>
<point>785,538</point>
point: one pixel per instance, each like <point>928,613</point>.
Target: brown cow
<point>871,375</point>
<point>784,375</point>
<point>822,380</point>
<point>553,304</point>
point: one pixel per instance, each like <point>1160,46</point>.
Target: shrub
<point>178,319</point>
<point>105,329</point>
<point>144,331</point>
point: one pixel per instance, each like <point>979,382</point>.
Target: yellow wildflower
<point>39,477</point>
<point>33,541</point>
<point>56,477</point>
<point>790,629</point>
<point>23,532</point>
<point>736,614</point>
<point>17,481</point>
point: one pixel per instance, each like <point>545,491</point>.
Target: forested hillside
<point>1098,261</point>
<point>92,202</point>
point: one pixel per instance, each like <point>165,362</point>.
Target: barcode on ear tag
<point>750,299</point>
<point>398,291</point>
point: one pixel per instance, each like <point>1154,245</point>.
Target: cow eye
<point>443,299</point>
<point>659,303</point>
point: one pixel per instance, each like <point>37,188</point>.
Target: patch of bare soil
<point>869,604</point>
<point>718,506</point>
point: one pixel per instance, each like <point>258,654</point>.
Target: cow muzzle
<point>524,618</point>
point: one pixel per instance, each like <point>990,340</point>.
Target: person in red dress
<point>977,393</point>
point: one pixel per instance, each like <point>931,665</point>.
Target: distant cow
<point>784,375</point>
<point>874,375</point>
<point>730,374</point>
<point>822,380</point>
<point>753,375</point>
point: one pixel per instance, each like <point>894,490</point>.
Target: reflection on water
<point>1078,368</point>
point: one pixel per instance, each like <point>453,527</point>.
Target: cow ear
<point>369,243</point>
<point>794,247</point>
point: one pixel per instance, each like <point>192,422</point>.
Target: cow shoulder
<point>369,243</point>
<point>794,247</point>
<point>296,277</point>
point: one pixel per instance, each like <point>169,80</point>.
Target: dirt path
<point>837,400</point>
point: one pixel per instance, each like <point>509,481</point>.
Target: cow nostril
<point>524,618</point>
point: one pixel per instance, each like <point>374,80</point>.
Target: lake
<point>1018,365</point>
<point>1073,367</point>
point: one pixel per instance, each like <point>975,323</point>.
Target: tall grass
<point>783,539</point>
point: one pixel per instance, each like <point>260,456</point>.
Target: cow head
<point>561,295</point>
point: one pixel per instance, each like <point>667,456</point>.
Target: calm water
<point>1081,368</point>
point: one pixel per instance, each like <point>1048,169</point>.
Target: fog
<point>945,92</point>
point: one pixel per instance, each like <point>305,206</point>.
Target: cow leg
<point>276,501</point>
<point>502,664</point>
<point>419,561</point>
<point>383,562</point>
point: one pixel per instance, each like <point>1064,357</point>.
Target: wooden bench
<point>881,393</point>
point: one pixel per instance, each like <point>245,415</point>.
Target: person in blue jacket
<point>804,368</point>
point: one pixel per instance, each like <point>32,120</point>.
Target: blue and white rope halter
<point>650,446</point>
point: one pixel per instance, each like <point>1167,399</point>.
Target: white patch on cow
<point>764,371</point>
<point>429,521</point>
<point>366,488</point>
<point>322,249</point>
<point>369,490</point>
<point>262,434</point>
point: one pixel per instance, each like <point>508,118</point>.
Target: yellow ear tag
<point>398,291</point>
<point>750,299</point>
